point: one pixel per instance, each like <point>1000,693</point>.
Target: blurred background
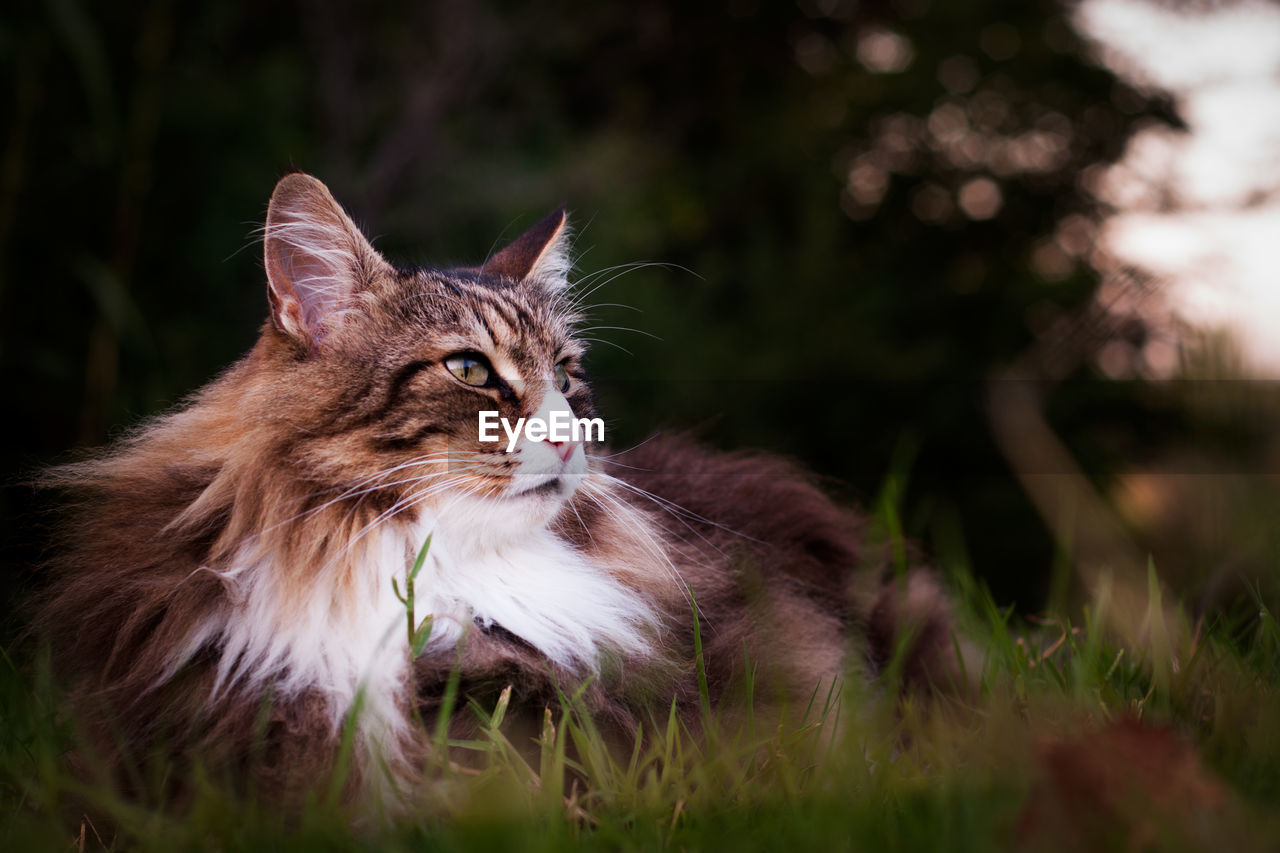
<point>995,268</point>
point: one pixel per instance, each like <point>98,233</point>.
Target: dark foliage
<point>850,254</point>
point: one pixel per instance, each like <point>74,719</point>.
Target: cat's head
<point>385,371</point>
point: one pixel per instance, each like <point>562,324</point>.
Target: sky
<point>1199,210</point>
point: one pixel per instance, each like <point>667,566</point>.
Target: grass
<point>1036,757</point>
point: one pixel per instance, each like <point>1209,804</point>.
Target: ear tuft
<point>539,254</point>
<point>316,258</point>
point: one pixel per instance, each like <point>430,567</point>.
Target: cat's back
<point>762,506</point>
<point>786,570</point>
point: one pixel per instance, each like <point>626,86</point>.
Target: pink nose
<point>564,449</point>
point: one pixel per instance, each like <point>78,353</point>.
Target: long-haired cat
<point>224,592</point>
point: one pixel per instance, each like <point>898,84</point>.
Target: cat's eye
<point>468,368</point>
<point>561,378</point>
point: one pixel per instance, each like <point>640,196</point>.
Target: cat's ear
<point>541,254</point>
<point>316,258</point>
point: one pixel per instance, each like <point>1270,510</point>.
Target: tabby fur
<point>224,588</point>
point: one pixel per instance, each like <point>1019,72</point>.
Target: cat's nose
<point>563,449</point>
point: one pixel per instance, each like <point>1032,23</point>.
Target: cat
<point>228,583</point>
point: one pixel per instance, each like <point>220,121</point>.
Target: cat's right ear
<point>541,254</point>
<point>316,258</point>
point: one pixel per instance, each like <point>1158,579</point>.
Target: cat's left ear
<point>539,254</point>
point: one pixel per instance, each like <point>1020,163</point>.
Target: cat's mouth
<point>546,488</point>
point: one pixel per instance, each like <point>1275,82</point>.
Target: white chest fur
<point>532,584</point>
<point>537,587</point>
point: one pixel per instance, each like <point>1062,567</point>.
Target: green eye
<point>561,378</point>
<point>468,368</point>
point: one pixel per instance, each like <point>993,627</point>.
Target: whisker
<point>629,449</point>
<point>677,510</point>
<point>690,528</point>
<point>620,329</point>
<point>611,305</point>
<point>354,489</point>
<point>609,343</point>
<point>402,505</point>
<point>619,271</point>
<point>654,547</point>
